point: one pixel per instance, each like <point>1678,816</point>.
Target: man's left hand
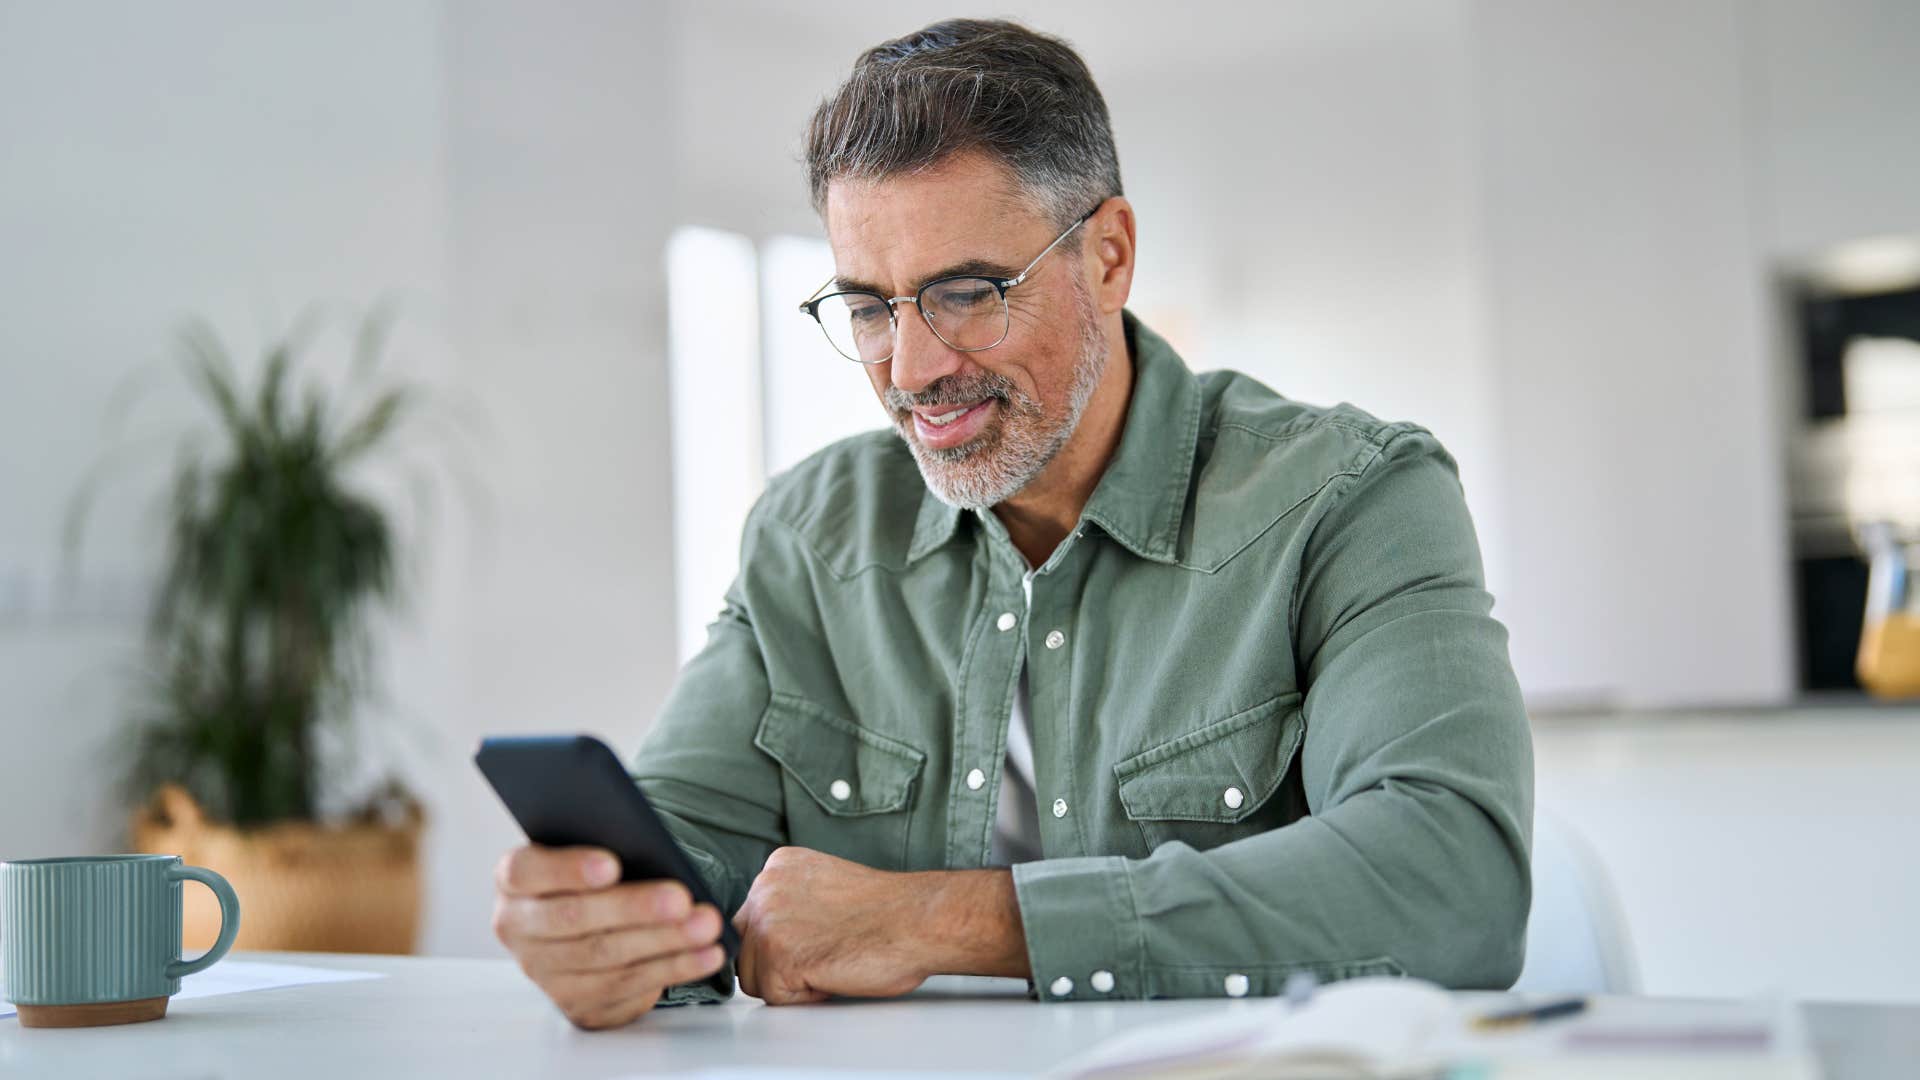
<point>814,925</point>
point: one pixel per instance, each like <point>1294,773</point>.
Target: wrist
<point>971,924</point>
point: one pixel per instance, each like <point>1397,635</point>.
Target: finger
<point>533,870</point>
<point>613,949</point>
<point>595,994</point>
<point>573,915</point>
<point>746,963</point>
<point>780,992</point>
<point>616,1016</point>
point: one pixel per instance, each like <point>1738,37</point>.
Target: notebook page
<point>1373,1026</point>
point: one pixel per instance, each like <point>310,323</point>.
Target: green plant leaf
<point>373,425</point>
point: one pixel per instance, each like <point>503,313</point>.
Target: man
<point>1132,682</point>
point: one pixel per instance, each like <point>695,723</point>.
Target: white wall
<point>1835,92</point>
<point>1645,512</point>
<point>214,159</point>
<point>559,208</point>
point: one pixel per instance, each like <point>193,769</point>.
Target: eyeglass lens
<point>968,313</point>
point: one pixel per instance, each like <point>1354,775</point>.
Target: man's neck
<point>1041,515</point>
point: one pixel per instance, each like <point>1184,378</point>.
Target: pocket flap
<point>1188,778</point>
<point>848,769</point>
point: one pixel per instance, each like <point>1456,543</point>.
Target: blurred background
<point>1649,269</point>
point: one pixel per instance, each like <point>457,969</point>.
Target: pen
<point>1534,1015</point>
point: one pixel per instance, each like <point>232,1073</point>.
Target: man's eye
<point>966,299</point>
<point>867,312</point>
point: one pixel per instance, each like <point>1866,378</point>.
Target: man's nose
<point>919,356</point>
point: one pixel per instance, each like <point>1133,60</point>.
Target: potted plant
<point>258,648</point>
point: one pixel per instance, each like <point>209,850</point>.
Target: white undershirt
<point>1016,826</point>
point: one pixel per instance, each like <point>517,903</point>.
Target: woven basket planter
<point>302,886</point>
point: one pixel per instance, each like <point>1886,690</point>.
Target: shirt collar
<point>1141,497</point>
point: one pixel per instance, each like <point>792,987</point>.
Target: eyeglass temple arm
<point>806,306</point>
<point>1008,283</point>
<point>1022,276</point>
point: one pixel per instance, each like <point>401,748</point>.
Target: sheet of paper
<point>777,1072</point>
<point>241,976</point>
<point>1362,1026</point>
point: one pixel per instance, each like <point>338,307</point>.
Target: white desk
<point>481,1018</point>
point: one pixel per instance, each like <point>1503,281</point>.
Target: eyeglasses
<point>967,312</point>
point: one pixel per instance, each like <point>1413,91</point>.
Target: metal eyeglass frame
<point>811,306</point>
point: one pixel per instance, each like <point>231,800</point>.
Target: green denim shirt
<point>1274,725</point>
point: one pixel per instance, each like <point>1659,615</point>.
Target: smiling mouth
<point>950,426</point>
<point>942,419</point>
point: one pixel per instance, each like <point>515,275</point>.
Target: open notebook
<point>1363,1028</point>
<point>1404,1028</point>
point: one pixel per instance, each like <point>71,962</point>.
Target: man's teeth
<point>943,419</point>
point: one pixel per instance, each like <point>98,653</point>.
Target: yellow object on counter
<point>1889,660</point>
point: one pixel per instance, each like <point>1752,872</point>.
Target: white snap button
<point>1059,808</point>
<point>975,780</point>
<point>1055,639</point>
<point>841,790</point>
<point>1061,987</point>
<point>1102,981</point>
<point>1234,798</point>
<point>1236,985</point>
<point>1007,621</point>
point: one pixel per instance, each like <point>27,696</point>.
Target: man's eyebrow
<point>968,268</point>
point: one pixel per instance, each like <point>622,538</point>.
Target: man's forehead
<point>899,230</point>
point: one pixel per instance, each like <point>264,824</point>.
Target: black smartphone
<point>566,790</point>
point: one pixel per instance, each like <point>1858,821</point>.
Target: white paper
<point>241,976</point>
<point>1371,1026</point>
<point>781,1072</point>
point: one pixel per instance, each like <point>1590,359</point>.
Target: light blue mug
<point>95,939</point>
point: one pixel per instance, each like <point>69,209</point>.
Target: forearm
<point>970,923</point>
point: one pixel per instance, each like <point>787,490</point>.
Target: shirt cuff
<point>718,986</point>
<point>1083,934</point>
<point>711,990</point>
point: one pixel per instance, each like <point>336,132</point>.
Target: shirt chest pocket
<point>1225,780</point>
<point>848,790</point>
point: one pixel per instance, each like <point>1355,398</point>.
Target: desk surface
<point>473,1018</point>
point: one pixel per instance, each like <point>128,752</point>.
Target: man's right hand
<point>602,951</point>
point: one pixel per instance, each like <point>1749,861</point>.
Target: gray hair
<point>971,85</point>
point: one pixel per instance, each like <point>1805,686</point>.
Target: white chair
<point>1577,940</point>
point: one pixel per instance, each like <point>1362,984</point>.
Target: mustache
<point>953,390</point>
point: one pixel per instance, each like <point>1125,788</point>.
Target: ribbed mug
<point>95,939</point>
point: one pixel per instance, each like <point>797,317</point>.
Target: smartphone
<point>567,790</point>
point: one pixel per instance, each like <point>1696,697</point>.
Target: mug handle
<point>229,919</point>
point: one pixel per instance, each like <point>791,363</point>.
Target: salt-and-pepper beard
<point>1024,441</point>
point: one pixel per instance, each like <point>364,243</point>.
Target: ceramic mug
<point>95,939</point>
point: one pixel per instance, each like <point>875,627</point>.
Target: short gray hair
<point>961,85</point>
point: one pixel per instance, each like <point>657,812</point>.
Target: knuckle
<point>566,913</point>
<point>530,970</point>
<point>689,965</point>
<point>585,1020</point>
<point>505,876</point>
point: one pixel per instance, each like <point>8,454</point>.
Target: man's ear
<point>1108,253</point>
